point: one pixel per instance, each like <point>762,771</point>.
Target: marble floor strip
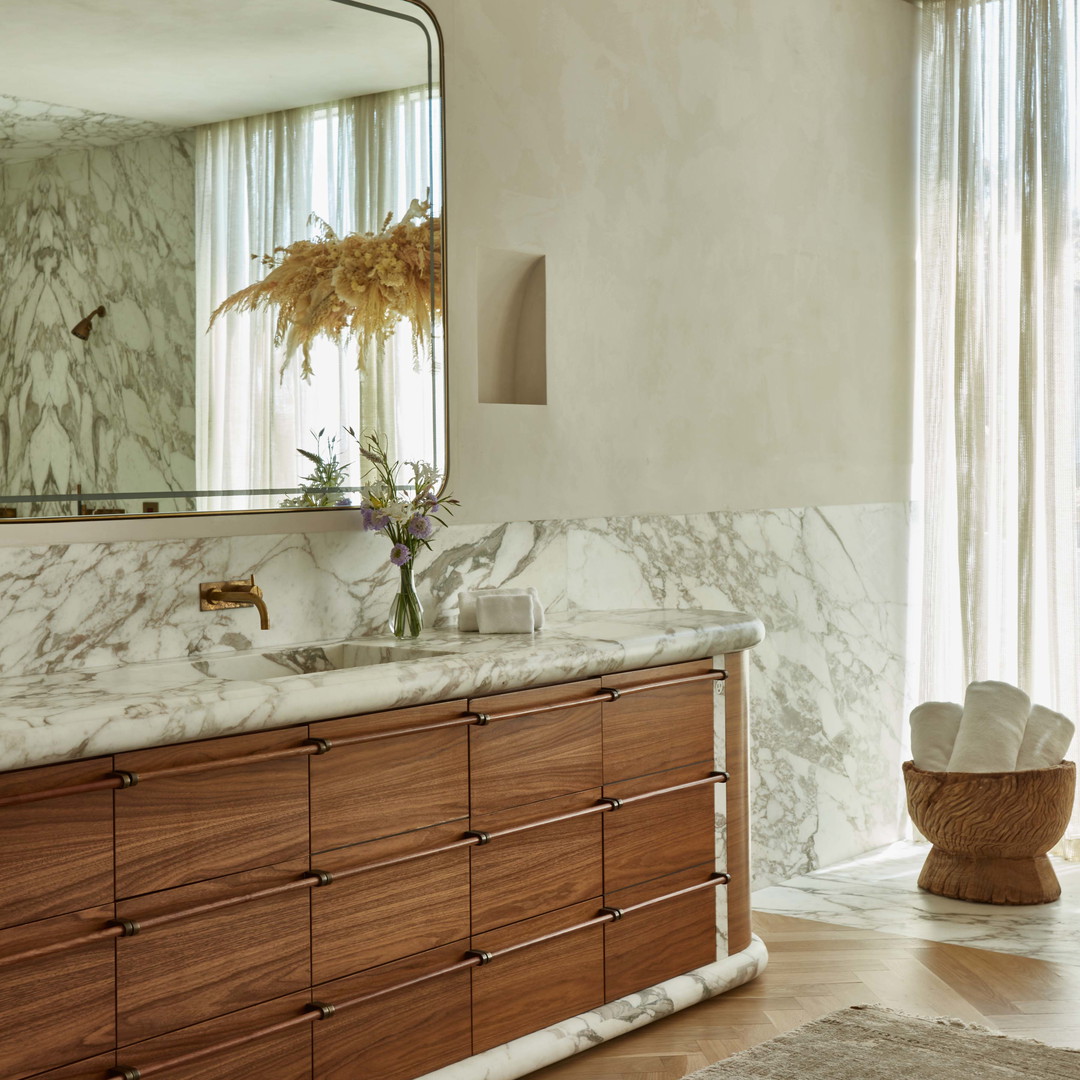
<point>878,891</point>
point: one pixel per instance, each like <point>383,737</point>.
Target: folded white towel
<point>991,729</point>
<point>933,731</point>
<point>1046,739</point>
<point>505,613</point>
<point>467,618</point>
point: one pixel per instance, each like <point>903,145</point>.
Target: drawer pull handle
<point>128,927</point>
<point>322,877</point>
<point>323,1008</point>
<point>322,746</point>
<point>126,1072</point>
<point>610,800</point>
<point>615,694</point>
<point>616,913</point>
<point>481,954</point>
<point>127,779</point>
<point>481,719</point>
<point>482,837</point>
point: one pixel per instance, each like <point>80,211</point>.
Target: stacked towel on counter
<point>997,730</point>
<point>500,611</point>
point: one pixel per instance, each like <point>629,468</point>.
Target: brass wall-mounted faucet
<point>216,595</point>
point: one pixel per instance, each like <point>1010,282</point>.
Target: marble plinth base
<point>563,1040</point>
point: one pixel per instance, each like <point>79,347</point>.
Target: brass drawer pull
<point>127,779</point>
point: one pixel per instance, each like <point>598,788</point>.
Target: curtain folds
<point>999,209</point>
<point>258,181</point>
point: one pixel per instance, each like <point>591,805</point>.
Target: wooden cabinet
<point>659,729</point>
<point>375,895</point>
<point>541,984</point>
<point>213,961</point>
<point>656,943</point>
<point>277,1055</point>
<point>57,1007</point>
<point>362,791</point>
<point>401,1033</point>
<point>540,754</point>
<point>56,855</point>
<point>402,908</point>
<point>189,826</point>
<point>537,869</point>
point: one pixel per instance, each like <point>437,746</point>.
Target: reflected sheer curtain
<point>1000,127</point>
<point>258,180</point>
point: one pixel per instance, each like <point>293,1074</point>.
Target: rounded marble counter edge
<point>563,1040</point>
<point>69,716</point>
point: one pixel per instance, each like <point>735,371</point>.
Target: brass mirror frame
<point>71,519</point>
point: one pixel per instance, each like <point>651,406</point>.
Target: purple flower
<point>374,518</point>
<point>420,526</point>
<point>400,554</point>
<point>344,501</point>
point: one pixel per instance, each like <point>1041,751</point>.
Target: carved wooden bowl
<point>991,831</point>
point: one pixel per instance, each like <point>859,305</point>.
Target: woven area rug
<point>870,1042</point>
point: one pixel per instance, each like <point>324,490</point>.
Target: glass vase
<point>406,612</point>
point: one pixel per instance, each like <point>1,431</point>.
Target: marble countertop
<point>91,712</point>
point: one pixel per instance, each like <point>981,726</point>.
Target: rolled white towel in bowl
<point>934,725</point>
<point>1046,739</point>
<point>991,728</point>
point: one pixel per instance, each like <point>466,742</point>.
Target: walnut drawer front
<point>97,1068</point>
<point>210,963</point>
<point>367,790</point>
<point>57,1008</point>
<point>659,942</point>
<point>522,874</point>
<point>387,913</point>
<point>657,729</point>
<point>539,755</point>
<point>173,830</point>
<point>403,1033</point>
<point>539,985</point>
<point>281,1055</point>
<point>56,854</point>
<point>659,835</point>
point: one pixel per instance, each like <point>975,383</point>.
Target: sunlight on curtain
<point>258,180</point>
<point>1000,127</point>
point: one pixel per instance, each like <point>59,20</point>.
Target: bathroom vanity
<point>468,860</point>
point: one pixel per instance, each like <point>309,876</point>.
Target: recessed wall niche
<point>511,327</point>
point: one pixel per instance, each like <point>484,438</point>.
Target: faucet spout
<point>215,595</point>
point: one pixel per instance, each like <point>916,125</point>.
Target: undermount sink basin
<point>307,660</point>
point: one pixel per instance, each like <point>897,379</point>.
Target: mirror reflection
<point>279,161</point>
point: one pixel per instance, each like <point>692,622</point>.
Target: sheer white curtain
<point>1000,127</point>
<point>258,181</point>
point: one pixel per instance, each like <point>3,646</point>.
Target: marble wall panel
<point>827,683</point>
<point>110,226</point>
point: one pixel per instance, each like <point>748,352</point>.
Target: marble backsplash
<point>827,684</point>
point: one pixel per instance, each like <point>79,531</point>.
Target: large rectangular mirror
<point>221,242</point>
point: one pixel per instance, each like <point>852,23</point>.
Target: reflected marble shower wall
<point>826,686</point>
<point>110,226</point>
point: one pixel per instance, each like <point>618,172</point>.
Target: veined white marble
<point>545,1047</point>
<point>112,227</point>
<point>827,702</point>
<point>77,715</point>
<point>879,892</point>
<point>33,129</point>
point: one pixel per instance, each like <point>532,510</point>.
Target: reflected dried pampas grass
<point>355,287</point>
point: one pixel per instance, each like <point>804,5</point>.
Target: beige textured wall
<point>723,192</point>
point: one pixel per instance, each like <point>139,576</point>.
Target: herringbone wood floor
<point>815,968</point>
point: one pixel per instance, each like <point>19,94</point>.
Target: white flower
<point>399,511</point>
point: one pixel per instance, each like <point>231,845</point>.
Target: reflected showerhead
<point>82,328</point>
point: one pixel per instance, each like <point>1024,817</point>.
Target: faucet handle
<point>217,595</point>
